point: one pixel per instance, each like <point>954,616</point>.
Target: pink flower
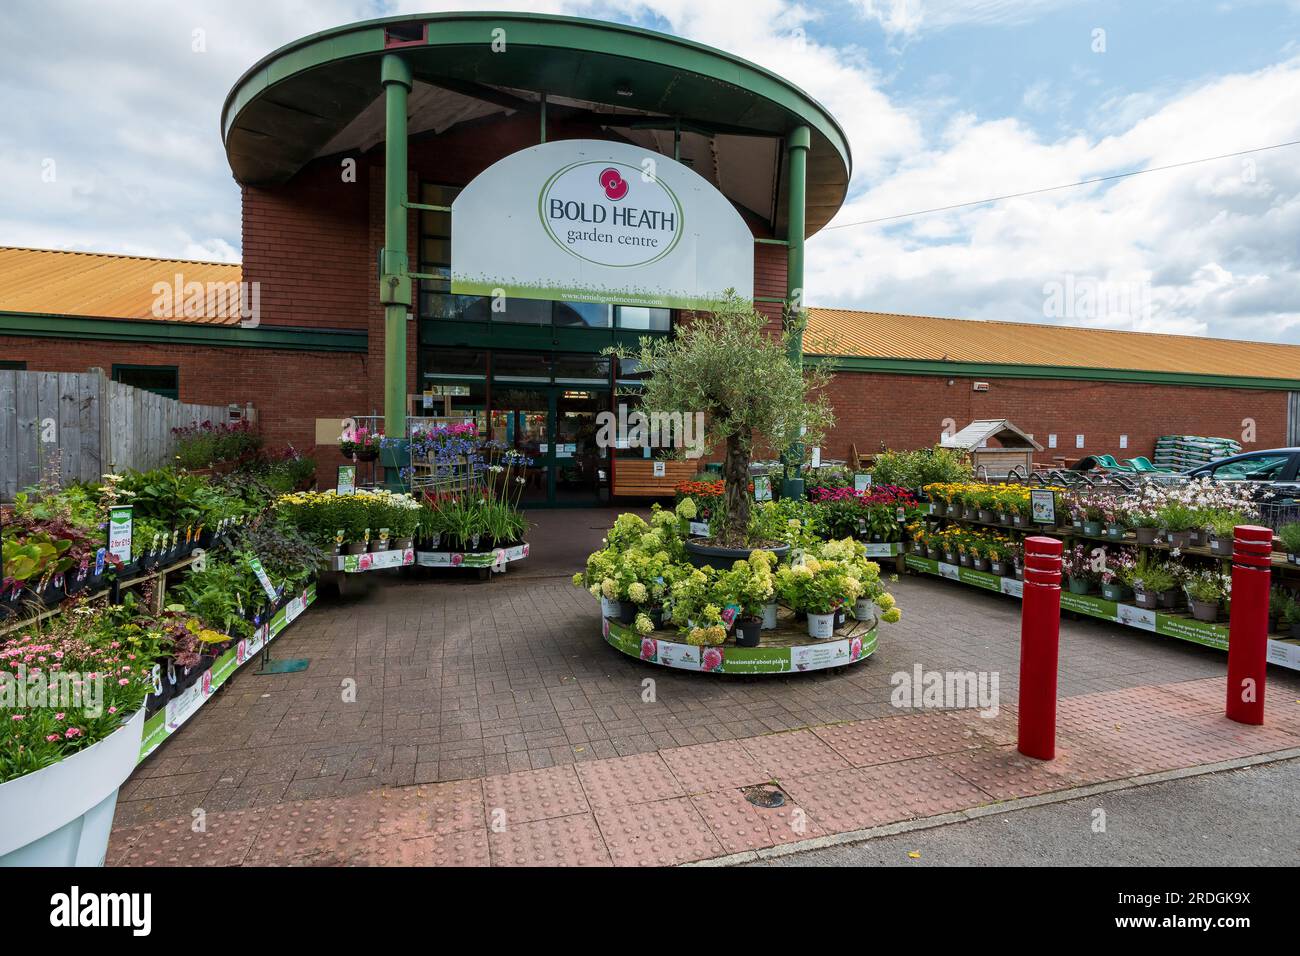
<point>72,732</point>
<point>50,738</point>
<point>712,659</point>
<point>18,716</point>
<point>123,682</point>
<point>59,716</point>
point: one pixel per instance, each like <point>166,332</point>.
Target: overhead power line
<point>1048,189</point>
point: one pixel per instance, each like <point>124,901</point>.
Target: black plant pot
<point>747,632</point>
<point>701,555</point>
<point>627,612</point>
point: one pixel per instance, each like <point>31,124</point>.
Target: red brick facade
<point>312,246</point>
<point>912,411</point>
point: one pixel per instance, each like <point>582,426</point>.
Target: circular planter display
<point>723,558</point>
<point>61,815</point>
<point>785,650</point>
<point>496,558</point>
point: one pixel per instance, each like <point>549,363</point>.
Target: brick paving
<point>490,724</point>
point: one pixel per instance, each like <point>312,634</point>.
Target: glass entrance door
<point>522,417</point>
<point>555,426</point>
<point>579,463</point>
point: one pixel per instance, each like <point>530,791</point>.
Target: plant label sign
<point>659,470</point>
<point>347,479</point>
<point>861,481</point>
<point>262,578</point>
<point>119,532</point>
<point>762,488</point>
<point>1042,503</point>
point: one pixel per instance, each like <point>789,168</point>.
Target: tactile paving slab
<point>511,799</point>
<point>793,754</point>
<point>663,833</point>
<point>454,848</point>
<point>865,743</point>
<point>224,840</point>
<point>641,778</point>
<point>739,825</point>
<point>295,833</point>
<point>851,799</point>
<point>564,841</point>
<point>429,808</point>
<point>715,766</point>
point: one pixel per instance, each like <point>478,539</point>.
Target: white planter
<point>769,616</point>
<point>821,626</point>
<point>864,609</point>
<point>61,816</point>
<point>610,608</point>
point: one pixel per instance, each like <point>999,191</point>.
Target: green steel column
<point>394,281</point>
<point>797,144</point>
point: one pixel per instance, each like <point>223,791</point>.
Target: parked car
<point>1276,468</point>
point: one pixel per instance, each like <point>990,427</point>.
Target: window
<point>586,314</point>
<point>521,367</point>
<point>436,300</point>
<point>163,380</point>
<point>455,364</point>
<point>1254,468</point>
<point>7,365</point>
<point>580,369</point>
<point>640,319</point>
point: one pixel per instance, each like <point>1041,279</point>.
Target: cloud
<point>910,17</point>
<point>1213,244</point>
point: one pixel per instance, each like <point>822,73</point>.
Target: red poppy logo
<point>615,185</point>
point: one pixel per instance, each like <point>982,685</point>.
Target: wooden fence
<point>97,425</point>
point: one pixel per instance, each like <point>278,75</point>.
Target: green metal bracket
<point>426,207</point>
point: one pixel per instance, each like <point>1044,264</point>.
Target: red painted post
<point>1040,638</point>
<point>1252,560</point>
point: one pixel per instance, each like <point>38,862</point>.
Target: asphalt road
<point>1248,817</point>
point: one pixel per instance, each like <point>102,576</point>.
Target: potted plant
<point>1279,599</point>
<point>1206,591</point>
<point>748,588</point>
<point>1149,579</point>
<point>1115,572</point>
<point>1290,538</point>
<point>1291,618</point>
<point>1079,569</point>
<point>725,368</point>
<point>360,443</point>
<point>1220,527</point>
<point>1177,519</point>
<point>63,759</point>
<point>819,588</point>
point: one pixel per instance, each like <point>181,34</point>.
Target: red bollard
<point>1040,638</point>
<point>1252,560</point>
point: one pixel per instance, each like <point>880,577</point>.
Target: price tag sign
<point>1042,503</point>
<point>262,578</point>
<point>119,532</point>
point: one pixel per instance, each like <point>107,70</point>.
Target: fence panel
<point>95,424</point>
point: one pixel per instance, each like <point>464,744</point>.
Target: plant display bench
<point>184,705</point>
<point>784,650</point>
<point>373,560</point>
<point>1285,653</point>
<point>486,561</point>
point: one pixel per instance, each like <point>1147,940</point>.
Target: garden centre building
<point>455,214</point>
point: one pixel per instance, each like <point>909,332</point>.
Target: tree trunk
<point>735,473</point>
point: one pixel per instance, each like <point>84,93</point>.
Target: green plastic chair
<point>1142,464</point>
<point>1110,464</point>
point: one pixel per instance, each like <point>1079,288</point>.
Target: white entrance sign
<point>595,221</point>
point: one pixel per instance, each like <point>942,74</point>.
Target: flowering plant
<point>360,440</point>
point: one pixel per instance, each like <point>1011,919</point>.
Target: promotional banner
<point>596,221</point>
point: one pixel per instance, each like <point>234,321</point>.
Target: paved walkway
<point>689,803</point>
<point>443,701</point>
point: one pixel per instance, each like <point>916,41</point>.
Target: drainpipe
<point>797,144</point>
<point>394,280</point>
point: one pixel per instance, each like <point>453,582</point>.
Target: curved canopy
<point>321,95</point>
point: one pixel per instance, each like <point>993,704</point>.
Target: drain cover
<point>767,796</point>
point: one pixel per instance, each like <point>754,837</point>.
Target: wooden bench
<point>635,478</point>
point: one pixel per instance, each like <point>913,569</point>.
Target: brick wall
<point>290,390</point>
<point>909,411</point>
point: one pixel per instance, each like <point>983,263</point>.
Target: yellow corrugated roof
<point>926,338</point>
<point>100,285</point>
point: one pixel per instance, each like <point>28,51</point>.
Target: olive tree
<point>727,366</point>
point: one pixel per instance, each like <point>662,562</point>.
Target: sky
<point>110,142</point>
